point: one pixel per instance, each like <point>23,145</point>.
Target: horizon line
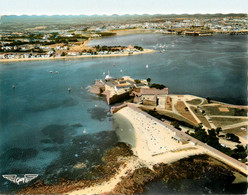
<point>121,14</point>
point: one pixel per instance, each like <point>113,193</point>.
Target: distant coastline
<point>78,57</point>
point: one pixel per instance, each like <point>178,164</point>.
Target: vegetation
<point>106,34</point>
<point>184,111</point>
<point>202,167</point>
<point>137,81</point>
<point>138,48</point>
<point>149,80</point>
<point>195,101</point>
<point>157,86</point>
<point>216,110</point>
<point>109,48</point>
<point>176,125</point>
<point>162,117</point>
<point>63,54</point>
<point>211,139</point>
<point>232,137</point>
<point>208,99</point>
<point>220,122</point>
<point>200,116</point>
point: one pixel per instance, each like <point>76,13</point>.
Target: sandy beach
<point>154,142</point>
<point>153,145</point>
<point>78,57</point>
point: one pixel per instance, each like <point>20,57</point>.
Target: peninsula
<point>168,130</point>
<point>189,115</point>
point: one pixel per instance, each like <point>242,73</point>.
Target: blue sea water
<point>39,119</point>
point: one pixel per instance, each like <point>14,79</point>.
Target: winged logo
<point>11,177</point>
<point>20,180</point>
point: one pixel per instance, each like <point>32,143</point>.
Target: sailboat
<point>147,66</point>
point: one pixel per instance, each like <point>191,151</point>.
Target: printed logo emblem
<point>20,180</point>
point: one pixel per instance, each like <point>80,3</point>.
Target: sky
<point>109,7</point>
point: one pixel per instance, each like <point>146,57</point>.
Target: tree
<point>176,125</point>
<point>63,54</point>
<point>218,130</point>
<point>157,86</point>
<point>208,99</point>
<point>239,152</point>
<point>200,133</point>
<point>137,81</point>
<point>232,137</point>
<point>148,80</point>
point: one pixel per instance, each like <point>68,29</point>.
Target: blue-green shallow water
<point>39,119</point>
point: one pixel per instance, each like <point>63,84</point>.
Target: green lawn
<point>194,101</point>
<point>214,110</point>
<point>200,116</point>
<point>221,122</point>
<point>237,131</point>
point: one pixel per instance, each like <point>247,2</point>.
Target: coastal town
<point>44,42</point>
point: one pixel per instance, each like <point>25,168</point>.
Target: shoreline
<point>152,146</point>
<point>151,31</point>
<point>143,157</point>
<point>78,57</point>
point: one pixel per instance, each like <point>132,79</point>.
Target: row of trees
<point>155,85</point>
<point>109,48</point>
<point>138,48</point>
<point>210,137</point>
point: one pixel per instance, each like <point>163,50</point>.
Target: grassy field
<point>168,113</point>
<point>238,131</point>
<point>195,101</point>
<point>221,122</point>
<point>175,116</point>
<point>180,107</point>
<point>168,105</point>
<point>200,116</point>
<point>214,110</point>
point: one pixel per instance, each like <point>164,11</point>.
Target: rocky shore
<point>201,167</point>
<point>211,173</point>
<point>111,163</point>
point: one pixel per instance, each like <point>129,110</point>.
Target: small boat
<point>69,89</point>
<point>57,72</point>
<point>51,72</point>
<point>147,66</point>
<point>13,86</point>
<point>121,70</point>
<point>103,73</point>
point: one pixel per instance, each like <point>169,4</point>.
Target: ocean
<point>39,119</point>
